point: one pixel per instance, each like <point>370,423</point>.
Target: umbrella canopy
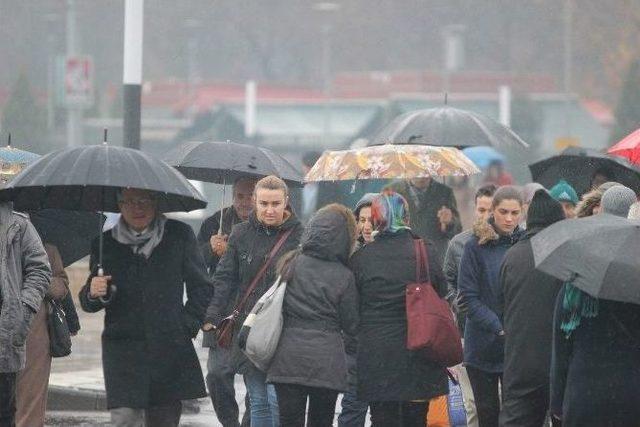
<point>577,166</point>
<point>89,178</point>
<point>449,127</point>
<point>391,161</point>
<point>483,156</point>
<point>13,160</point>
<point>597,254</point>
<point>628,147</point>
<point>70,231</point>
<point>224,162</point>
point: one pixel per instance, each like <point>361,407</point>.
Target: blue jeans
<point>354,412</point>
<point>263,400</point>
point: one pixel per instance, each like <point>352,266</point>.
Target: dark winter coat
<point>387,371</point>
<point>423,213</point>
<point>529,297</point>
<point>209,228</point>
<point>320,302</point>
<point>24,278</point>
<point>595,375</point>
<point>248,248</point>
<point>147,353</point>
<point>480,293</point>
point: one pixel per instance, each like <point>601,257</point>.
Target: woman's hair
<point>271,182</point>
<point>507,192</point>
<point>592,199</point>
<point>285,264</point>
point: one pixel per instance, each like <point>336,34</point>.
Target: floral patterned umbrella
<point>391,161</point>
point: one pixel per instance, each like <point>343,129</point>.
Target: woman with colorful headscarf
<point>396,382</point>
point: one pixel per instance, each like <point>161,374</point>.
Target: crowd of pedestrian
<point>537,349</point>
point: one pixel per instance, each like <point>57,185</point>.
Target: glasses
<point>139,203</point>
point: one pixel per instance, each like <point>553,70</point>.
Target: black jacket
<point>423,212</point>
<point>210,227</point>
<point>249,245</point>
<point>387,371</point>
<point>528,299</point>
<point>595,374</point>
<point>147,353</point>
<point>320,302</point>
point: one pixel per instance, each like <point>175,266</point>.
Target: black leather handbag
<point>59,336</point>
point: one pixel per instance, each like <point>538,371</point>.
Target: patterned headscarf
<point>389,213</point>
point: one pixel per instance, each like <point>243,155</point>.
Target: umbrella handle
<point>111,291</point>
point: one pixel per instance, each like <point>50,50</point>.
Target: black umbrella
<point>89,178</point>
<point>598,254</point>
<point>447,126</point>
<point>70,231</point>
<point>577,166</point>
<point>224,162</point>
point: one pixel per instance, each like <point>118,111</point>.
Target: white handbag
<point>260,333</point>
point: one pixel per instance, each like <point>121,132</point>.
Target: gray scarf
<point>141,243</point>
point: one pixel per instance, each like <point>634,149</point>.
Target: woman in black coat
<point>148,357</point>
<point>320,302</point>
<point>396,382</point>
<point>248,248</point>
<point>595,365</point>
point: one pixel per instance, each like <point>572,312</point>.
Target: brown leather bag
<point>224,331</point>
<point>431,328</point>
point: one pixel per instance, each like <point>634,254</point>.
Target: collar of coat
<point>290,221</point>
<point>486,233</point>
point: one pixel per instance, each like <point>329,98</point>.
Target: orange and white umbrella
<point>391,161</point>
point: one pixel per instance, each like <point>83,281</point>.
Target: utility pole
<point>132,73</point>
<point>328,9</point>
<point>568,62</point>
<point>74,112</point>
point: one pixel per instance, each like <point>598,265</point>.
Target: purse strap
<point>422,261</point>
<point>263,270</point>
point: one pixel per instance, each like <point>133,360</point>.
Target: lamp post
<point>50,20</point>
<point>326,8</point>
<point>132,72</point>
<point>453,53</point>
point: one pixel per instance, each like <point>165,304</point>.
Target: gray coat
<point>24,278</point>
<point>320,302</point>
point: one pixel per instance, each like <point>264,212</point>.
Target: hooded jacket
<point>24,279</point>
<point>247,249</point>
<point>479,287</point>
<point>320,302</point>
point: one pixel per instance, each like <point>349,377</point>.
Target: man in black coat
<point>149,361</point>
<point>529,299</point>
<point>220,370</point>
<point>434,212</point>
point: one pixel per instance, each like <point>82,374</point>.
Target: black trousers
<point>399,414</point>
<point>8,399</point>
<point>529,410</point>
<point>486,394</point>
<point>292,401</point>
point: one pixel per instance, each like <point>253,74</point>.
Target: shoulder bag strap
<point>263,270</point>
